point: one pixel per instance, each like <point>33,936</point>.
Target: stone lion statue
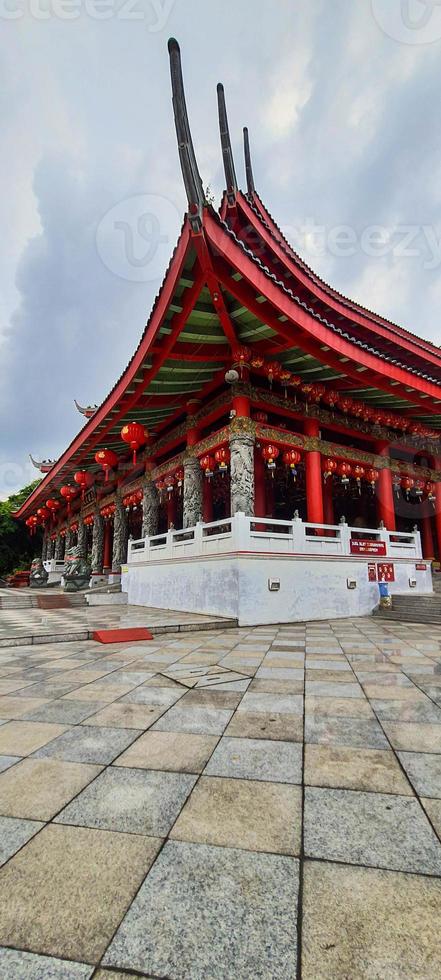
<point>77,570</point>
<point>38,575</point>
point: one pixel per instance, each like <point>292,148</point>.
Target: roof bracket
<point>227,152</point>
<point>190,173</point>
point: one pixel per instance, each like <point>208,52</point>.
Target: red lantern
<point>135,435</point>
<point>285,379</point>
<point>179,477</point>
<point>272,371</point>
<point>160,486</point>
<point>222,458</point>
<point>241,357</point>
<point>270,453</point>
<point>329,467</point>
<point>316,393</point>
<point>88,520</point>
<point>345,404</point>
<point>291,458</point>
<point>331,397</point>
<point>207,465</point>
<point>53,506</point>
<point>84,480</point>
<point>170,484</point>
<point>107,511</point>
<point>31,523</point>
<point>359,472</point>
<point>107,459</point>
<point>419,486</point>
<point>257,361</point>
<point>344,471</point>
<point>407,483</point>
<point>68,492</point>
<point>372,476</point>
<point>430,490</point>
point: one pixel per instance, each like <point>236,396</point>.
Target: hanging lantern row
<point>316,392</point>
<point>135,436</point>
<point>108,460</point>
<point>345,471</point>
<point>108,511</point>
<point>421,488</point>
<point>220,460</point>
<point>88,520</point>
<point>133,500</point>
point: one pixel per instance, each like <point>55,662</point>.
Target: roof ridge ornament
<point>248,166</point>
<point>190,172</point>
<point>227,152</point>
<point>44,466</point>
<point>88,410</point>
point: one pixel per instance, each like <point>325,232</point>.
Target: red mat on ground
<point>123,635</point>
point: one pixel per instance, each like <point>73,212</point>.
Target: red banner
<point>361,546</point>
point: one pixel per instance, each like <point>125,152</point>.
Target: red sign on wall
<point>362,546</point>
<point>372,571</point>
<point>421,567</point>
<point>386,571</point>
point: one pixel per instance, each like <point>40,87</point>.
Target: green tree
<point>17,547</point>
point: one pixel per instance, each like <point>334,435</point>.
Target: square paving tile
<point>365,769</point>
<point>410,736</point>
<point>172,751</point>
<point>13,834</point>
<point>363,924</point>
<point>371,829</point>
<point>275,687</point>
<point>65,712</point>
<point>353,732</point>
<point>131,716</point>
<point>325,689</point>
<point>17,707</point>
<point>132,801</point>
<point>203,720</point>
<point>338,707</point>
<point>23,737</point>
<point>6,761</point>
<point>420,711</point>
<point>65,893</point>
<point>424,772</point>
<point>89,743</point>
<point>154,696</point>
<point>38,788</point>
<point>433,810</point>
<point>382,693</point>
<point>203,929</point>
<point>260,724</point>
<point>282,704</point>
<point>18,965</point>
<point>247,758</point>
<point>257,816</point>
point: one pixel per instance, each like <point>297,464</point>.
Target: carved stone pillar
<point>59,548</point>
<point>82,536</point>
<point>44,545</point>
<point>150,508</point>
<point>68,541</point>
<point>242,473</point>
<point>97,544</point>
<point>192,503</point>
<point>120,536</point>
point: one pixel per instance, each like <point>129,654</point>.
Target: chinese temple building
<point>272,449</point>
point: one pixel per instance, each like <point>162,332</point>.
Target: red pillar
<point>314,487</point>
<point>241,405</point>
<point>438,508</point>
<point>107,551</point>
<point>328,501</point>
<point>171,510</point>
<point>385,491</point>
<point>260,505</point>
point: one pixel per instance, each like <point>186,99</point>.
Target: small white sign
<point>274,584</point>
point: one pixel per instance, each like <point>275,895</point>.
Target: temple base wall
<point>261,589</point>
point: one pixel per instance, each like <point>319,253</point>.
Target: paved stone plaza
<point>185,809</point>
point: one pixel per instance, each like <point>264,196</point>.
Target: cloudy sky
<point>342,102</point>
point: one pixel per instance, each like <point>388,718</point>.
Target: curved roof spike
<point>44,466</point>
<point>248,167</point>
<point>227,153</point>
<point>189,167</point>
<point>88,411</point>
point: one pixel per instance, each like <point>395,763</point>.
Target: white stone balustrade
<point>242,534</point>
